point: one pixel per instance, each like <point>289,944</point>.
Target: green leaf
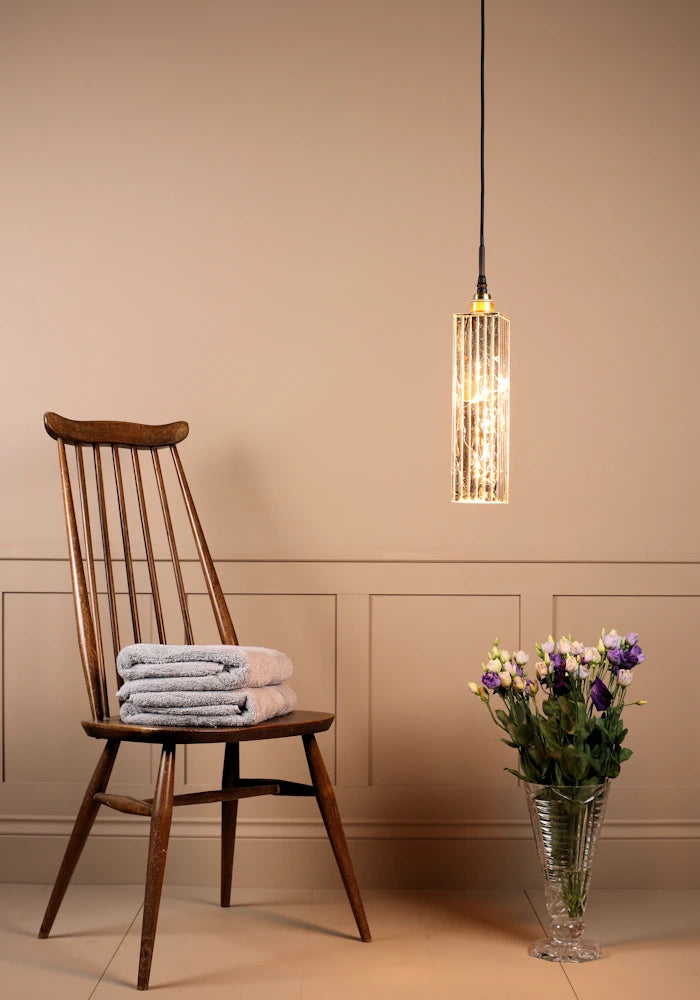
<point>551,734</point>
<point>568,718</point>
<point>575,762</point>
<point>613,768</point>
<point>523,735</point>
<point>595,767</point>
<point>536,752</point>
<point>516,773</point>
<point>625,754</point>
<point>519,713</point>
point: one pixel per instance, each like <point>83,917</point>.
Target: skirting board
<point>291,854</point>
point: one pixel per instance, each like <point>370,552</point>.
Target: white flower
<point>611,640</point>
<point>541,669</point>
<point>521,657</point>
<point>479,690</point>
<point>518,683</point>
<point>506,679</point>
<point>494,665</point>
<point>505,655</point>
<point>591,655</point>
<point>564,646</point>
<point>548,646</point>
<point>624,677</point>
<point>582,673</point>
<point>577,648</point>
<point>571,664</point>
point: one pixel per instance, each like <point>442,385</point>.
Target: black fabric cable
<point>481,286</point>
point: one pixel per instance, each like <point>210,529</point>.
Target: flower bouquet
<point>570,744</point>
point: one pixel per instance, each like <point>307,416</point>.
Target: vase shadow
<point>619,917</point>
<point>496,910</point>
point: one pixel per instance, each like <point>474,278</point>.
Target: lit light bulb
<point>480,405</point>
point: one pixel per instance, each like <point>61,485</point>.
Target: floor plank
<point>202,950</point>
<point>651,943</point>
<point>429,944</point>
<point>89,928</point>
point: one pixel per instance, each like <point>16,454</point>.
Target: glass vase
<point>566,821</point>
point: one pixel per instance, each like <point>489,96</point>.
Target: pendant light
<point>481,381</point>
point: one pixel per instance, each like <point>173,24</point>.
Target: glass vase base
<point>579,950</point>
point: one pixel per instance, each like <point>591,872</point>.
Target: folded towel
<point>244,707</point>
<point>227,680</point>
<point>159,701</point>
<point>235,666</point>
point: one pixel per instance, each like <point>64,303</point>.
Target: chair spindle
<point>106,551</point>
<point>86,630</point>
<point>92,582</point>
<point>128,562</point>
<point>223,619</point>
<point>155,593</point>
<point>189,637</point>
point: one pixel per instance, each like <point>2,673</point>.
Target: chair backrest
<point>98,551</point>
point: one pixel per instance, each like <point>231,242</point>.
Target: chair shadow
<point>287,920</point>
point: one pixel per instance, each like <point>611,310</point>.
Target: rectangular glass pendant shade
<point>480,408</point>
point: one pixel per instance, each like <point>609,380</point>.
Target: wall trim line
<point>359,829</point>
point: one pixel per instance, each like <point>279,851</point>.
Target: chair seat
<point>292,724</point>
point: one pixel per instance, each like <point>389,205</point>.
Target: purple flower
<point>491,680</point>
<point>625,659</point>
<point>615,657</point>
<point>559,678</point>
<point>632,638</point>
<point>600,695</point>
<point>557,660</point>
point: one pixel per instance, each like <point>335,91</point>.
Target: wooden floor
<point>302,945</point>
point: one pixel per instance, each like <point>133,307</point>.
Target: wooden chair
<point>129,443</point>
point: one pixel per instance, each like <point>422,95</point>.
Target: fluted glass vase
<point>566,821</point>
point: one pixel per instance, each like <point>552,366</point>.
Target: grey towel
<point>244,707</point>
<point>196,668</point>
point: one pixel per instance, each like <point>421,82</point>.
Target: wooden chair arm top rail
<point>115,432</point>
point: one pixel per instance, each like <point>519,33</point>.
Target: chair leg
<point>229,815</point>
<point>81,829</point>
<point>334,827</point>
<point>157,853</point>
